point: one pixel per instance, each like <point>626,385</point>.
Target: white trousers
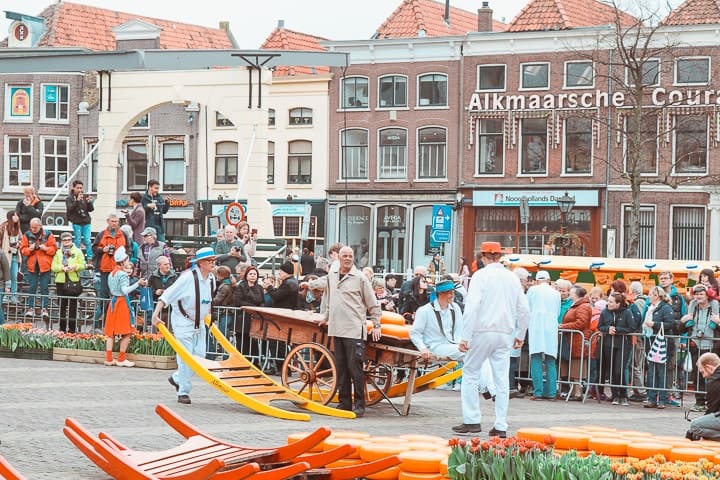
<point>495,348</point>
<point>194,342</point>
<point>450,350</point>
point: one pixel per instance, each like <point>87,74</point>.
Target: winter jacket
<point>28,212</point>
<point>712,397</point>
<point>76,259</point>
<point>578,318</point>
<point>78,211</point>
<point>37,260</point>
<point>247,296</point>
<point>105,238</point>
<point>623,321</point>
<point>136,219</point>
<point>154,217</point>
<point>159,281</point>
<point>148,263</point>
<point>286,295</point>
<point>223,295</point>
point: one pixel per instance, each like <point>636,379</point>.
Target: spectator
<point>39,247</point>
<point>464,272</point>
<point>150,250</point>
<point>136,217</point>
<point>5,279</point>
<point>322,265</point>
<point>707,427</point>
<point>134,249</point>
<point>390,283</point>
<point>577,318</point>
<point>161,279</point>
<point>10,234</point>
<point>78,206</point>
<point>638,360</point>
<point>308,299</point>
<point>383,297</point>
<point>566,302</point>
<point>286,294</point>
<point>222,299</point>
<point>248,293</point>
<point>707,278</point>
<point>107,241</point>
<point>544,302</point>
<point>155,207</point>
<point>28,208</point>
<point>230,250</point>
<point>406,286</point>
<point>248,238</point>
<point>417,297</point>
<point>436,267</point>
<point>659,314</point>
<point>616,322</point>
<point>307,262</point>
<point>67,264</point>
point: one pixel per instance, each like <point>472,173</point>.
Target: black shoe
<point>467,428</point>
<point>172,382</point>
<point>344,407</point>
<point>184,399</point>
<point>690,435</point>
<point>487,395</point>
<point>359,412</point>
<point>497,433</point>
<point>516,394</point>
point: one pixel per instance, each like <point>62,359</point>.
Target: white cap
<point>542,275</point>
<point>120,255</point>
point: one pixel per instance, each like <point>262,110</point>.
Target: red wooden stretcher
<point>8,472</point>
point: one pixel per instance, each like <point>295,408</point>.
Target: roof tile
<point>694,12</point>
<point>284,39</point>
<point>566,14</point>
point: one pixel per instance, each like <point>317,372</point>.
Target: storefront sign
<point>176,202</point>
<point>535,198</point>
<point>288,210</point>
<point>358,219</point>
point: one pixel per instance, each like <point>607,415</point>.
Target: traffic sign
<point>234,213</point>
<point>440,236</point>
<point>441,224</point>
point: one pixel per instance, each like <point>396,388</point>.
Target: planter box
<point>27,353</point>
<point>94,356</point>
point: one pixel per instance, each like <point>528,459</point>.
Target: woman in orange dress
<point>119,318</point>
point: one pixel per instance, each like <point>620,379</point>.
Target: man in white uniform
<point>496,310</point>
<point>437,326</point>
<point>544,303</point>
<point>190,297</point>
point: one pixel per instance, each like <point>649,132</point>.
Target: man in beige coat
<point>348,297</point>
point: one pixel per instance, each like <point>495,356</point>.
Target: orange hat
<point>490,247</point>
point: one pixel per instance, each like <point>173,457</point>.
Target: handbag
<point>73,287</point>
<point>658,349</point>
<point>146,299</point>
<point>688,363</point>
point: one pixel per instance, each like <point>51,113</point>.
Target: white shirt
<point>183,290</point>
<point>425,331</point>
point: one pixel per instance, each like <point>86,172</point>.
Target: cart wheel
<point>378,378</point>
<point>309,369</point>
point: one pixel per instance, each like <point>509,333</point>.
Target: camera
<point>111,250</point>
<point>700,334</point>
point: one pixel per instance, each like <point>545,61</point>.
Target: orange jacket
<point>107,262</point>
<point>36,257</point>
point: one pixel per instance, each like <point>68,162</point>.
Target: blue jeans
<point>43,280</point>
<point>102,292</point>
<point>548,387</point>
<point>14,267</point>
<point>82,235</point>
<point>656,379</point>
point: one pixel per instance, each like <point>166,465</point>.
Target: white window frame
<point>43,186</point>
<point>125,172</point>
<point>340,157</point>
<point>697,57</point>
<point>646,207</point>
<point>31,111</point>
<point>578,87</point>
<point>301,158</point>
<point>272,118</point>
<point>657,152</point>
<point>520,152</point>
<point>161,158</point>
<point>478,134</point>
<point>447,92</point>
<point>43,118</point>
<point>674,150</point>
<point>407,93</point>
<point>342,93</point>
<point>6,182</point>
<point>379,177</point>
<point>564,172</point>
<point>418,149</point>
<point>226,156</point>
<point>88,144</point>
<point>671,228</point>
<point>302,118</point>
<point>527,64</point>
<point>270,156</point>
<point>504,86</point>
<point>659,74</point>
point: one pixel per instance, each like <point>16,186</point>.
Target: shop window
<point>392,153</point>
<point>692,71</point>
<point>393,91</point>
<point>646,248</point>
<point>691,144</point>
<point>688,233</point>
<point>291,227</point>
<point>355,231</point>
<point>578,146</point>
<point>18,161</point>
<point>136,167</point>
<point>535,76</point>
<point>645,145</point>
<point>490,147</point>
<point>533,155</point>
<point>491,77</point>
<point>432,90</point>
<point>432,151</point>
<point>579,74</point>
<point>391,238</point>
<point>55,103</point>
<point>226,162</point>
<point>299,162</point>
<point>301,116</point>
<point>54,162</point>
<point>355,92</point>
<point>271,163</point>
<point>354,154</point>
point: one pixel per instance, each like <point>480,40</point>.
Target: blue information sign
<point>441,224</point>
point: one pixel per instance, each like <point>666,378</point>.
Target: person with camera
<point>9,244</point>
<point>150,250</point>
<point>707,427</point>
<point>67,264</point>
<point>155,207</point>
<point>106,243</point>
<point>38,247</point>
<point>230,250</point>
<point>78,206</point>
<point>28,208</point>
<point>136,217</point>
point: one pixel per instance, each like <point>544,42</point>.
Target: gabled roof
<point>694,12</point>
<point>72,24</point>
<point>428,16</point>
<point>541,15</point>
<point>284,39</point>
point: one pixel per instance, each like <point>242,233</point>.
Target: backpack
<point>637,317</point>
<point>676,304</point>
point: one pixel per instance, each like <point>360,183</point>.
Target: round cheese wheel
<point>690,454</point>
<point>643,449</point>
<point>387,474</point>
<point>344,462</point>
<point>294,437</point>
<point>419,437</point>
<point>444,466</point>
<point>536,434</point>
<point>423,446</point>
<point>571,441</point>
<point>597,428</point>
<point>349,434</point>
<point>420,461</point>
<point>567,429</point>
<point>616,447</point>
<point>392,318</point>
<point>418,476</point>
<point>384,439</point>
<point>370,452</point>
<point>397,331</point>
<point>633,434</point>
<point>334,442</point>
<point>716,459</point>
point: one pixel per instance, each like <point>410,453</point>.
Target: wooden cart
<point>310,368</point>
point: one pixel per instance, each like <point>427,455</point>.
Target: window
<point>55,103</point>
<point>393,91</point>
<point>688,233</point>
<point>650,73</point>
<point>54,157</point>
<point>692,71</point>
<point>535,75</point>
<point>432,90</point>
<point>93,166</point>
<point>136,166</point>
<point>271,117</point>
<point>355,92</point>
<point>534,149</point>
<point>299,162</point>
<point>432,152</point>
<point>392,154</point>
<point>490,147</point>
<point>271,163</point>
<point>491,77</point>
<point>18,103</point>
<point>579,74</point>
<point>143,122</point>
<point>691,144</point>
<point>391,238</point>
<point>301,116</point>
<point>173,169</point>
<point>222,121</point>
<point>646,248</point>
<point>18,161</point>
<point>354,154</point>
<point>355,230</point>
<point>292,226</point>
<point>226,162</point>
<point>578,145</point>
<point>641,152</point>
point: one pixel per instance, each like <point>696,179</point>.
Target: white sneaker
<point>125,363</point>
<point>111,363</point>
<point>456,387</point>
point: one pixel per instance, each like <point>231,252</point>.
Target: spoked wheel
<point>310,370</point>
<point>378,378</point>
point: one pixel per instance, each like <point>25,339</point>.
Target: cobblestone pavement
<point>36,397</point>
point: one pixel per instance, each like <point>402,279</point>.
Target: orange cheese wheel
<point>349,434</point>
<point>418,476</point>
<point>422,446</point>
<point>536,434</point>
<point>571,441</point>
<point>387,474</point>
<point>716,459</point>
<point>567,429</point>
<point>334,442</point>
<point>398,331</point>
<point>667,438</point>
<point>344,462</point>
<point>385,439</point>
<point>447,450</point>
<point>690,454</point>
<point>444,466</point>
<point>419,437</point>
<point>597,428</point>
<point>421,461</point>
<point>643,449</point>
<point>294,437</point>
<point>392,318</point>
<point>633,434</point>
<point>616,447</point>
<point>370,452</point>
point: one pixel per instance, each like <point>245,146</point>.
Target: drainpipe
<point>608,159</point>
<point>457,253</point>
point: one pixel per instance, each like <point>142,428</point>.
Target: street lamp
<point>565,204</point>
